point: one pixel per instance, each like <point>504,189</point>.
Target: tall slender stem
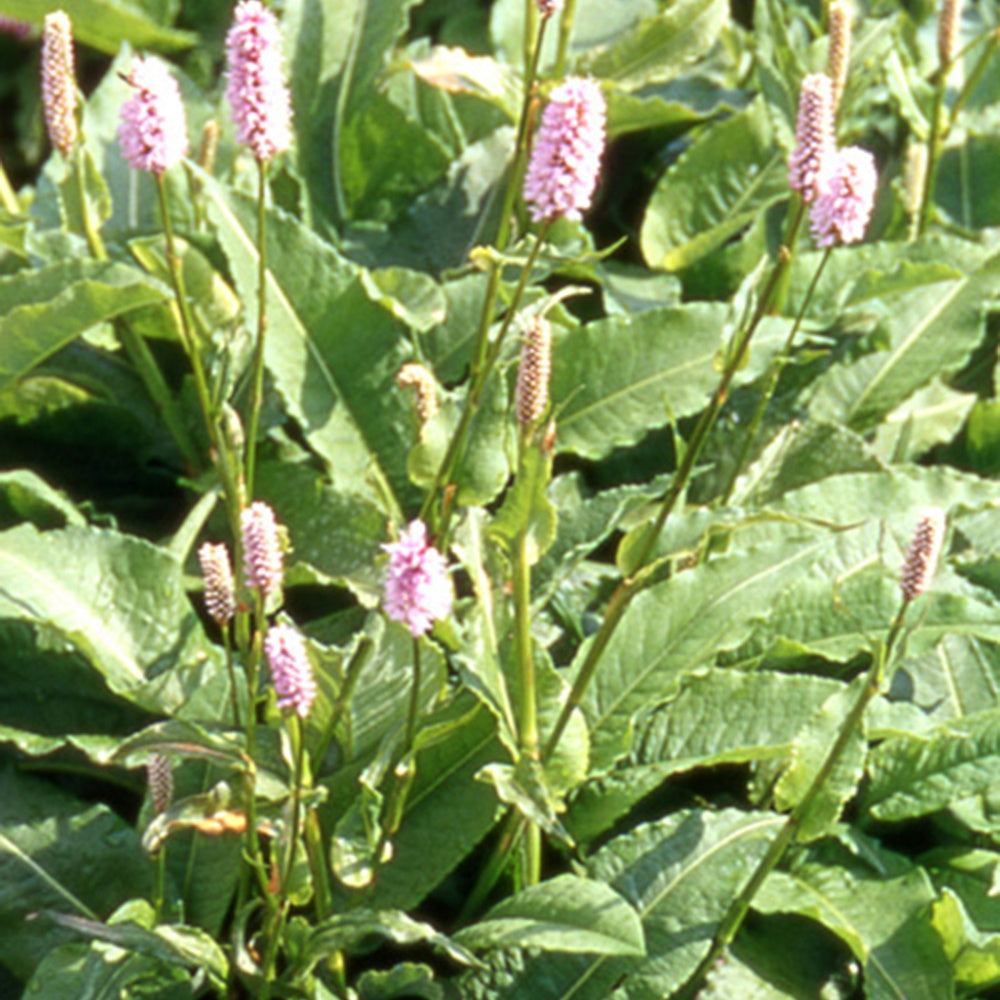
<point>753,429</point>
<point>299,744</point>
<point>933,151</point>
<point>257,372</point>
<point>93,237</point>
<point>528,728</point>
<point>733,918</point>
<point>565,31</point>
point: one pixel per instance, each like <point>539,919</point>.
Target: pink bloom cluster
<point>548,7</point>
<point>263,558</point>
<point>418,590</point>
<point>153,130</point>
<point>257,92</point>
<point>813,135</point>
<point>217,572</point>
<point>59,81</point>
<point>566,158</point>
<point>291,670</point>
<point>843,207</point>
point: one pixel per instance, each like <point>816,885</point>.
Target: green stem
<point>231,670</point>
<point>969,84</point>
<point>738,909</point>
<point>628,588</point>
<point>750,438</point>
<point>933,149</point>
<point>299,744</point>
<point>510,833</point>
<point>8,197</point>
<point>565,30</point>
<point>94,241</point>
<point>317,864</point>
<point>159,879</point>
<point>257,372</point>
<point>522,635</point>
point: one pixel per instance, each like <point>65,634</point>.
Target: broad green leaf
<point>616,379</point>
<point>404,981</point>
<point>973,955</point>
<point>25,496</point>
<point>728,176</point>
<point>83,203</point>
<point>455,71</point>
<point>565,914</point>
<point>810,752</point>
<point>933,415</point>
<point>932,331</point>
<point>105,24</point>
<point>963,189</point>
<point>58,853</point>
<point>333,353</point>
<point>47,308</point>
<point>679,625</point>
<point>885,921</point>
<point>680,874</point>
<point>658,48</point>
<point>120,602</point>
<point>913,776</point>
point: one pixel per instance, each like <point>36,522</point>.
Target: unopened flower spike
<point>418,590</point>
<point>153,130</point>
<point>566,157</point>
<point>217,572</point>
<point>843,206</point>
<point>291,671</point>
<point>948,22</point>
<point>813,135</point>
<point>14,26</point>
<point>263,556</point>
<point>416,376</point>
<point>839,53</point>
<point>256,87</point>
<point>923,554</point>
<point>532,394</point>
<point>160,775</point>
<point>59,81</point>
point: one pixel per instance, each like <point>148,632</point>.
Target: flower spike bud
<point>256,88</point>
<point>813,135</point>
<point>549,7</point>
<point>160,776</point>
<point>566,158</point>
<point>59,81</point>
<point>414,375</point>
<point>839,53</point>
<point>217,572</point>
<point>14,26</point>
<point>418,590</point>
<point>209,145</point>
<point>263,557</point>
<point>153,129</point>
<point>947,37</point>
<point>914,175</point>
<point>843,207</point>
<point>291,670</point>
<point>532,394</point>
<point>923,554</point>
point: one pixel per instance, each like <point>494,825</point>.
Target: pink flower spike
<point>217,573</point>
<point>813,135</point>
<point>59,81</point>
<point>256,89</point>
<point>263,558</point>
<point>418,590</point>
<point>291,671</point>
<point>153,130</point>
<point>843,206</point>
<point>566,158</point>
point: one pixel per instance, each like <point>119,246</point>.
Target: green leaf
<point>885,921</point>
<point>913,776</point>
<point>527,508</point>
<point>25,496</point>
<point>333,353</point>
<point>680,874</point>
<point>405,981</point>
<point>728,176</point>
<point>616,379</point>
<point>963,189</point>
<point>809,753</point>
<point>973,955</point>
<point>105,24</point>
<point>658,48</point>
<point>679,625</point>
<point>566,913</point>
<point>120,602</point>
<point>58,853</point>
<point>45,309</point>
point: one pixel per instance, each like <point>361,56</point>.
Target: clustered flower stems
<point>918,569</point>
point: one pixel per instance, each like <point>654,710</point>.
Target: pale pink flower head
<point>549,7</point>
<point>418,590</point>
<point>263,556</point>
<point>291,671</point>
<point>923,554</point>
<point>813,135</point>
<point>566,157</point>
<point>59,81</point>
<point>256,89</point>
<point>846,195</point>
<point>217,572</point>
<point>153,129</point>
<point>14,26</point>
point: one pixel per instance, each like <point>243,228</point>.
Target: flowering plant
<point>498,500</point>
